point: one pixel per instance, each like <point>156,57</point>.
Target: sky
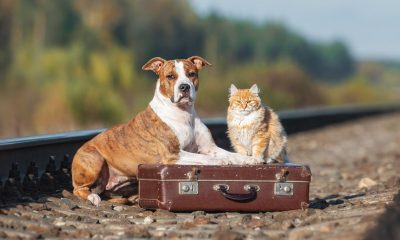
<point>371,28</point>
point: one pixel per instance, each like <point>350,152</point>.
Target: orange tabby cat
<point>253,129</point>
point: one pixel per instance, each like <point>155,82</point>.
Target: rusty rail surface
<point>37,149</point>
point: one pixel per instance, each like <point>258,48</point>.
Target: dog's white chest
<point>181,122</point>
<point>182,127</point>
<point>184,132</point>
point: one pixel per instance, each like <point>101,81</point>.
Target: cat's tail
<point>277,139</point>
<point>285,156</point>
<point>282,158</point>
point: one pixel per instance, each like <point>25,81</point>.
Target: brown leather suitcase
<point>258,188</point>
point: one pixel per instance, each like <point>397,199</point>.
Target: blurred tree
<point>166,28</point>
<point>62,22</point>
<point>336,62</point>
<point>6,22</point>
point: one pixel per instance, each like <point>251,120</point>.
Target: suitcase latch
<point>194,174</point>
<point>188,188</point>
<point>283,188</point>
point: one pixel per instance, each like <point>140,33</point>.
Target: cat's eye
<point>170,77</point>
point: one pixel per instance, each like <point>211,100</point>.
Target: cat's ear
<point>254,89</point>
<point>232,90</point>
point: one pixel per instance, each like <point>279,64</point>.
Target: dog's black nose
<point>184,87</point>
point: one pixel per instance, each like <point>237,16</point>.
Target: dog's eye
<point>192,74</point>
<point>170,77</point>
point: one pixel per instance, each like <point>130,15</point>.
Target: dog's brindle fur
<point>168,131</point>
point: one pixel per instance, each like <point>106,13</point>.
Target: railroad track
<point>36,200</point>
<point>42,150</point>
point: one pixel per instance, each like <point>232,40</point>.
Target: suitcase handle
<point>237,197</point>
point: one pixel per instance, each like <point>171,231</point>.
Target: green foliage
<point>355,91</point>
<point>335,60</point>
<point>239,42</point>
<point>91,83</point>
<point>91,102</point>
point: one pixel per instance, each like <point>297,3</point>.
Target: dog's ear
<point>199,62</point>
<point>154,65</point>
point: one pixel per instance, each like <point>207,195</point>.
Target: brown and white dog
<point>168,131</point>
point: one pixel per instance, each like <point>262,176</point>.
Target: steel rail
<point>23,150</point>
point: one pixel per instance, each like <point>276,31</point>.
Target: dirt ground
<point>354,195</point>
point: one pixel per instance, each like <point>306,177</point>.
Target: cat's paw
<point>271,161</point>
<point>257,160</point>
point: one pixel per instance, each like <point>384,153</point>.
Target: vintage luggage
<point>257,188</point>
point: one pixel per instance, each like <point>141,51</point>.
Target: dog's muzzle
<point>184,94</point>
<point>184,88</point>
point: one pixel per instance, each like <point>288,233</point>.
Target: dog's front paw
<point>94,199</point>
<point>225,162</point>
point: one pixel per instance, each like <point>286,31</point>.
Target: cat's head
<point>244,101</point>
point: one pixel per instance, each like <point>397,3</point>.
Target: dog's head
<point>179,78</point>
